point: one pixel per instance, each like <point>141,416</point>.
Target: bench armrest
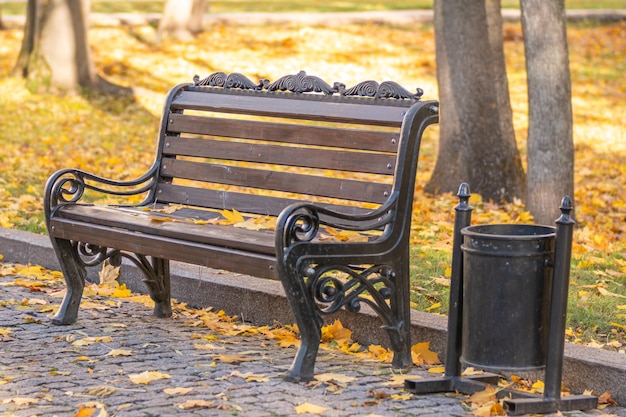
<point>300,222</point>
<point>69,185</point>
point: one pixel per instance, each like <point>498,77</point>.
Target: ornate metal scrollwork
<point>68,189</point>
<point>387,89</point>
<point>304,83</point>
<point>234,80</point>
<point>336,286</point>
<point>90,255</point>
<point>301,226</point>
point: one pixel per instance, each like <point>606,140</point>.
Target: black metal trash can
<point>506,296</point>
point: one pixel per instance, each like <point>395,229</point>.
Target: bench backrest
<point>227,143</point>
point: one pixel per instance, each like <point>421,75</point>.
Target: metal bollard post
<point>462,219</point>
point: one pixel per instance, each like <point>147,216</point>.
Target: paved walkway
<point>205,367</point>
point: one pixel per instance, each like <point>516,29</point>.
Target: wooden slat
<point>375,163</point>
<point>277,181</point>
<point>264,104</point>
<point>381,141</point>
<point>233,260</point>
<point>141,221</point>
<point>245,203</point>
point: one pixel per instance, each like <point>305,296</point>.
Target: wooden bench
<point>335,165</point>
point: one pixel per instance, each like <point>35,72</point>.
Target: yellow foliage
<point>422,355</point>
<point>335,332</point>
<point>147,377</point>
<point>308,408</point>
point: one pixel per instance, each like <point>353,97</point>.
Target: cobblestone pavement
<point>48,370</point>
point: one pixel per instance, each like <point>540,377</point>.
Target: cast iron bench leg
<point>308,320</point>
<point>158,283</point>
<point>75,275</point>
<point>400,338</point>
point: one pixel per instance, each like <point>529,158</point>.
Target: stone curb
<point>262,302</point>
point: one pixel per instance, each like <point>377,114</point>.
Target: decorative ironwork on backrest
<point>303,83</point>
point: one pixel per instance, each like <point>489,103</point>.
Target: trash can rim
<point>482,231</point>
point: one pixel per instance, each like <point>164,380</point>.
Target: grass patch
<point>115,137</point>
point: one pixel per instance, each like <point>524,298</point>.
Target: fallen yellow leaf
<point>121,291</point>
<point>308,408</point>
<point>486,396</point>
<point>231,217</point>
<point>177,391</point>
<point>250,377</point>
<point>336,378</point>
<point>189,404</point>
<point>102,391</point>
<point>422,355</point>
<point>397,380</point>
<point>232,359</point>
<point>119,352</point>
<point>147,377</point>
<point>20,400</point>
<point>109,274</point>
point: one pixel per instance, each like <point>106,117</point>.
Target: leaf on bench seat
<point>215,220</point>
<point>258,223</point>
<point>231,217</point>
<point>161,219</point>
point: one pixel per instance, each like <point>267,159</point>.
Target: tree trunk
<point>182,19</point>
<point>477,142</point>
<point>550,140</point>
<point>55,54</point>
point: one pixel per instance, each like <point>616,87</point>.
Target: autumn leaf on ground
<point>436,370</point>
<point>286,337</point>
<point>119,352</point>
<point>336,378</point>
<point>108,275</point>
<point>189,404</point>
<point>20,401</point>
<point>605,398</point>
<point>380,353</point>
<point>336,333</point>
<point>232,359</point>
<point>102,391</point>
<point>308,408</point>
<point>91,409</point>
<point>250,377</point>
<point>398,380</point>
<point>147,377</point>
<point>422,355</point>
<point>177,391</point>
<point>91,340</point>
<point>483,397</point>
<point>433,307</point>
<point>485,403</point>
<point>93,305</point>
<point>208,346</point>
<point>121,291</point>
